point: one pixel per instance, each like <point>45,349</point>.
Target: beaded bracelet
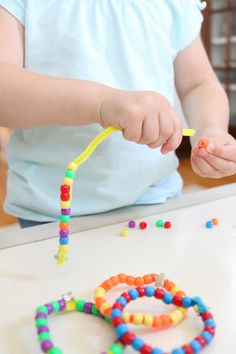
<point>154,321</point>
<point>66,190</point>
<point>66,304</point>
<point>129,338</point>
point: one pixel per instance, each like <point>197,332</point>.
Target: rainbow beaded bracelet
<point>66,189</point>
<point>66,304</point>
<point>129,338</point>
<point>154,321</point>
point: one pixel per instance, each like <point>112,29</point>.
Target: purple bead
<point>65,211</point>
<point>64,233</point>
<point>62,304</point>
<point>46,345</point>
<point>40,315</point>
<point>50,308</point>
<point>88,307</point>
<point>42,329</point>
<point>132,224</point>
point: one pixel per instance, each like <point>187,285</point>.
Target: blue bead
<point>187,301</point>
<point>209,224</point>
<point>122,301</point>
<point>178,351</point>
<point>64,240</point>
<point>121,329</point>
<point>133,293</point>
<point>207,336</point>
<point>150,291</point>
<point>157,351</point>
<point>137,343</point>
<point>196,346</point>
<point>210,322</point>
<point>167,298</point>
<point>116,313</point>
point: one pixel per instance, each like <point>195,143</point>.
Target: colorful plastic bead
<point>132,224</point>
<point>124,232</point>
<point>143,225</point>
<point>202,144</point>
<point>159,223</point>
<point>167,224</point>
<point>215,221</point>
<point>209,224</point>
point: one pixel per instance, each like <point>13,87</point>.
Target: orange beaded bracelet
<point>154,321</point>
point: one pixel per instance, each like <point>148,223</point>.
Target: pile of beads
<point>211,223</point>
<point>129,338</point>
<point>66,304</point>
<point>165,224</point>
<point>154,321</point>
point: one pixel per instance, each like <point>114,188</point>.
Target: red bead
<point>210,329</point>
<point>159,293</point>
<point>146,349</point>
<point>188,349</point>
<point>65,188</point>
<point>206,315</point>
<point>141,291</point>
<point>118,306</point>
<point>167,225</point>
<point>202,341</point>
<point>65,197</point>
<point>117,320</point>
<point>142,225</point>
<point>127,338</point>
<point>177,300</point>
<point>126,296</point>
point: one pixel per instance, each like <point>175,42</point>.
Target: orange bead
<point>154,276</point>
<point>131,318</point>
<point>157,322</point>
<point>107,312</point>
<point>168,285</point>
<point>105,286</point>
<point>139,281</point>
<point>202,144</point>
<point>166,321</point>
<point>180,293</point>
<point>215,221</point>
<point>122,277</point>
<point>99,301</point>
<point>63,225</point>
<point>130,280</point>
<point>115,280</point>
<point>147,279</point>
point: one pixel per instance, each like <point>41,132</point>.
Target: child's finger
<point>175,139</point>
<point>206,169</point>
<point>150,132</point>
<point>227,152</point>
<point>226,167</point>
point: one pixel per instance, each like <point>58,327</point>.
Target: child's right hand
<point>145,117</point>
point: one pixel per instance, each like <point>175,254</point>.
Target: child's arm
<point>207,110</point>
<point>29,100</point>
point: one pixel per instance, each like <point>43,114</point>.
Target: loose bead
<point>215,221</point>
<point>209,224</point>
<point>142,225</point>
<point>132,224</point>
<point>202,144</point>
<point>159,223</point>
<point>124,232</point>
<point>167,224</point>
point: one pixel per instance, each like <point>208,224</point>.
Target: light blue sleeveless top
<point>127,44</point>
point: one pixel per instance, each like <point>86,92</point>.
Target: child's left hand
<point>218,159</point>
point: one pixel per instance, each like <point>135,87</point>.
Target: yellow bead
<point>148,320</point>
<point>183,310</point>
<point>72,166</point>
<point>138,318</point>
<point>99,292</point>
<point>126,316</point>
<point>175,289</point>
<point>70,305</point>
<point>68,181</point>
<point>65,205</point>
<point>103,307</point>
<point>176,316</point>
<point>124,232</point>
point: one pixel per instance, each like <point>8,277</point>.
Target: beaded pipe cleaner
<point>66,189</point>
<point>67,304</point>
<point>153,321</point>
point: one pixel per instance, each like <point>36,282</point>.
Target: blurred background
<point>219,37</point>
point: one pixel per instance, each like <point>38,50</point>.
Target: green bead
<point>80,305</point>
<point>95,310</point>
<point>41,322</point>
<point>55,350</point>
<point>55,305</point>
<point>107,319</point>
<point>70,174</point>
<point>65,218</point>
<point>159,223</point>
<point>116,349</point>
<point>44,336</point>
<point>42,309</point>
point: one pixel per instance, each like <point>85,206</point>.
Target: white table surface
<point>201,261</point>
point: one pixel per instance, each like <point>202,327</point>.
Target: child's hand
<point>218,159</point>
<point>145,117</point>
